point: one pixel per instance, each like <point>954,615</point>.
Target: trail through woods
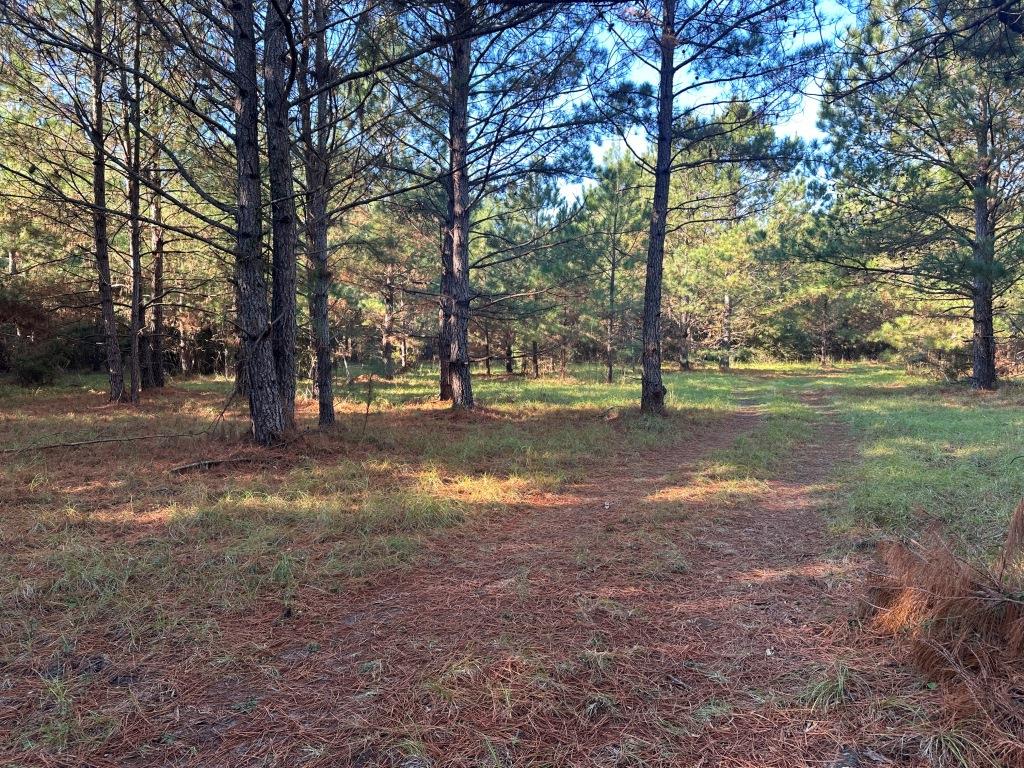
<point>651,617</point>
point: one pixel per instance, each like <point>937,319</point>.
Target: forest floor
<point>552,581</point>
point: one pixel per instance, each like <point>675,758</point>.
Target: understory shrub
<point>38,365</point>
<point>937,347</point>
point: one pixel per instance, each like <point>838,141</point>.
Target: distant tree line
<point>277,190</point>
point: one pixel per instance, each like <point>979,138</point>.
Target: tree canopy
<point>285,190</point>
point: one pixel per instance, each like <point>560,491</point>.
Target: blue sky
<point>802,123</point>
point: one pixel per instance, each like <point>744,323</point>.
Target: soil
<point>654,616</point>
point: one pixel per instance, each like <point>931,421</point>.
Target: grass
<point>107,547</point>
<point>955,748</point>
<point>713,709</point>
<point>786,420</point>
<point>103,552</point>
<point>929,452</point>
<point>831,691</point>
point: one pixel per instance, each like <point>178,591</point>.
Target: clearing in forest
<point>553,580</point>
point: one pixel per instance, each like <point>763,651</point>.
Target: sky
<point>802,123</point>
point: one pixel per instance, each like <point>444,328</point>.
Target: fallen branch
<point>79,443</point>
<point>209,464</point>
<point>132,438</point>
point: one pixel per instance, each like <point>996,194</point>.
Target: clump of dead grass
<point>963,626</point>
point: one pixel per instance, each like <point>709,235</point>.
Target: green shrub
<point>38,365</point>
<point>935,346</point>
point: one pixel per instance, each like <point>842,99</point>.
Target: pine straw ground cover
<point>552,581</point>
<point>962,624</point>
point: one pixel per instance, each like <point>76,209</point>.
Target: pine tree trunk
<point>509,357</point>
<point>101,241</point>
<point>317,170</point>
<point>157,246</point>
<point>983,346</point>
<point>283,308</point>
<point>133,147</point>
<point>487,349</point>
<point>444,316</point>
<point>652,397</point>
<point>444,345</point>
<point>823,339</point>
<point>253,315</point>
<point>146,344</point>
<point>458,298</point>
<point>536,361</point>
<point>387,330</point>
<point>725,360</point>
<point>318,314</point>
<point>684,343</point>
<point>609,341</point>
<point>186,359</point>
<point>137,311</point>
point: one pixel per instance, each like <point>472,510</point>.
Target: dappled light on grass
<point>707,491</point>
<point>551,575</point>
<point>922,461</point>
<point>814,570</point>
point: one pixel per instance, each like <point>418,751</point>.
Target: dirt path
<point>646,620</point>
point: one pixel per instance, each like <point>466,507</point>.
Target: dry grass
<point>110,564</point>
<point>551,581</point>
<point>963,626</point>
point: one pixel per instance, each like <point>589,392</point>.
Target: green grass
<point>831,691</point>
<point>112,546</point>
<point>929,452</point>
<point>104,543</point>
<point>785,421</point>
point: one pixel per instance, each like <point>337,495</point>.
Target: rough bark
<point>444,346</point>
<point>684,340</point>
<point>253,315</point>
<point>458,296</point>
<point>536,361</point>
<point>444,314</point>
<point>283,308</point>
<point>388,328</point>
<point>983,342</point>
<point>133,146</point>
<point>137,310</point>
<point>157,246</point>
<point>186,352</point>
<point>652,396</point>
<point>146,344</point>
<point>725,360</point>
<point>487,349</point>
<point>317,171</point>
<point>823,333</point>
<point>983,346</point>
<point>321,279</point>
<point>101,241</point>
<point>609,340</point>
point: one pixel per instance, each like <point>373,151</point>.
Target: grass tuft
<point>832,691</point>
